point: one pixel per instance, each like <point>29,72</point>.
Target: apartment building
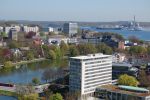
<point>31,29</point>
<point>88,72</point>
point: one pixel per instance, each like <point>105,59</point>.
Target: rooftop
<point>126,90</point>
<point>122,64</point>
<point>89,56</point>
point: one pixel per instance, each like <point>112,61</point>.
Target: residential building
<point>70,28</point>
<point>88,72</point>
<point>1,29</point>
<point>56,39</point>
<point>118,57</point>
<point>8,28</point>
<point>123,68</point>
<point>31,29</point>
<point>121,92</point>
<point>50,29</point>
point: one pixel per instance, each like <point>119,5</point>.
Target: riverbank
<point>8,93</point>
<point>28,61</point>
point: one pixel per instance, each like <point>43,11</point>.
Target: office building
<point>121,92</point>
<point>70,28</point>
<point>88,72</point>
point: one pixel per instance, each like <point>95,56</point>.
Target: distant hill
<point>60,23</point>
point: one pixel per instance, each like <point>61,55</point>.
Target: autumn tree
<point>127,80</point>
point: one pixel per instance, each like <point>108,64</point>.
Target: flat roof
<point>117,89</point>
<point>122,64</point>
<point>89,56</point>
<point>133,88</point>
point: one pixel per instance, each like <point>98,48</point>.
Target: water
<point>144,34</point>
<point>7,98</point>
<point>26,73</point>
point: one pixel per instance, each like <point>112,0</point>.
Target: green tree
<point>73,51</point>
<point>63,48</point>
<point>30,55</point>
<point>35,81</point>
<point>28,97</point>
<point>13,44</point>
<point>42,34</point>
<point>86,49</point>
<point>103,48</point>
<point>148,50</point>
<point>51,55</point>
<point>8,64</point>
<point>137,50</point>
<point>127,80</point>
<point>56,96</point>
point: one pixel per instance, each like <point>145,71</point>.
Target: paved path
<point>37,89</point>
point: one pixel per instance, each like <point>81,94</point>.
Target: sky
<point>75,10</point>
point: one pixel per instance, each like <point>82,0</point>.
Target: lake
<point>7,98</point>
<point>25,73</point>
<point>144,34</point>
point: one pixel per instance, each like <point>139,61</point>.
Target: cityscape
<point>74,50</point>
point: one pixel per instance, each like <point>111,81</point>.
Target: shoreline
<point>28,61</point>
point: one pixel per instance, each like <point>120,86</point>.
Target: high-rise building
<point>88,72</point>
<point>13,34</point>
<point>70,28</point>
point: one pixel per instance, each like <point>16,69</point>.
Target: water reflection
<point>24,73</point>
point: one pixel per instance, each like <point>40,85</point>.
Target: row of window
<point>96,75</point>
<point>106,79</point>
<point>99,71</point>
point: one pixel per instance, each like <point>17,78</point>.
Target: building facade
<point>13,34</point>
<point>70,28</point>
<point>88,72</point>
<point>31,29</point>
<point>123,68</point>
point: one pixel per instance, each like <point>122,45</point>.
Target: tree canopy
<point>56,96</point>
<point>127,80</point>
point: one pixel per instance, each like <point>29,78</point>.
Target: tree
<point>30,55</point>
<point>143,79</point>
<point>35,81</point>
<point>33,96</point>
<point>56,96</point>
<point>51,55</point>
<point>86,49</point>
<point>13,44</point>
<point>42,34</point>
<point>8,64</point>
<point>63,48</point>
<point>103,48</point>
<point>127,80</point>
<point>73,51</point>
<point>137,50</point>
<point>134,39</point>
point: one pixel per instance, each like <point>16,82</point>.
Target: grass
<point>7,93</point>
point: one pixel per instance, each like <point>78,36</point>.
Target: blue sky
<point>75,10</point>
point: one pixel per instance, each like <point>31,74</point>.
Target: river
<point>144,34</point>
